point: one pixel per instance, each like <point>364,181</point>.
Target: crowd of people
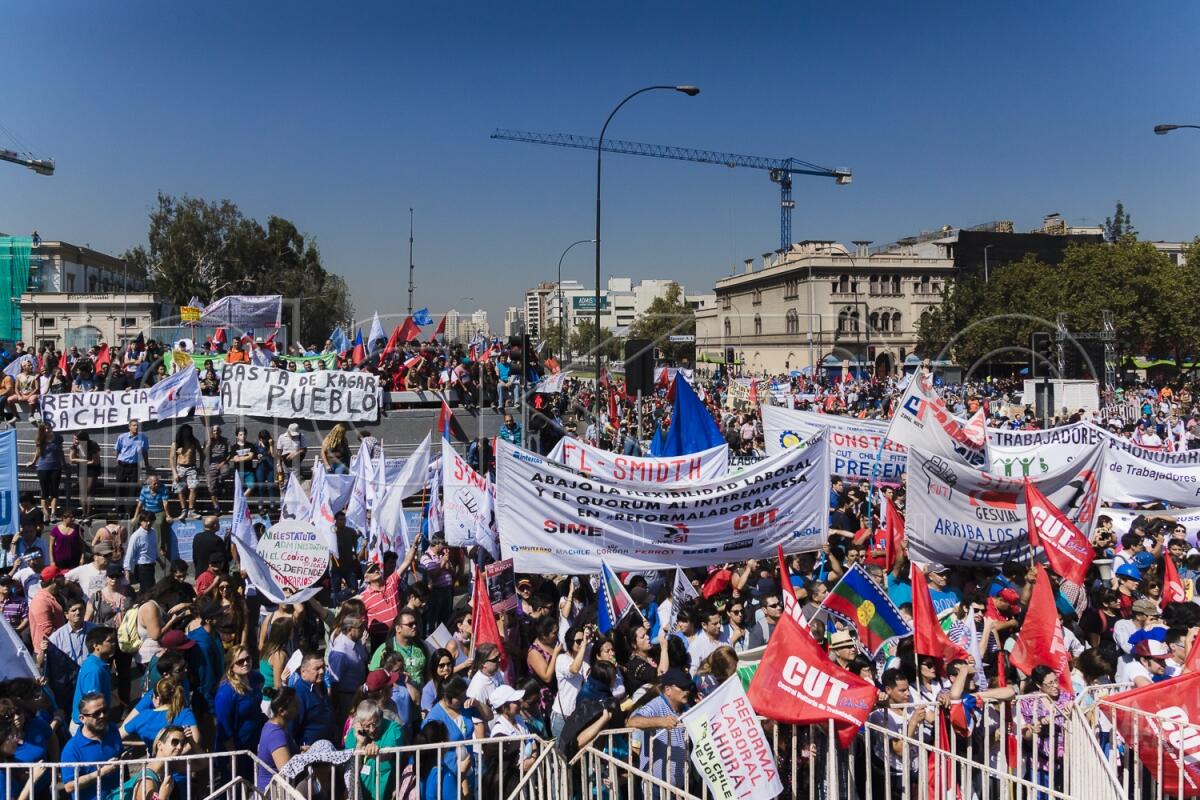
<point>138,654</point>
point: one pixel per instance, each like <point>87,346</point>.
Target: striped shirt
<point>382,604</point>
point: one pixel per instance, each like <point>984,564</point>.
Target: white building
<point>621,302</point>
<point>453,320</point>
<point>514,321</point>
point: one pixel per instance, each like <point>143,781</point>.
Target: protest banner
<point>15,659</point>
<point>551,384</point>
<point>9,489</point>
<point>706,465</point>
<point>1031,454</point>
<point>465,507</point>
<point>295,554</point>
<point>1123,518</point>
<point>729,748</point>
<point>502,585</point>
<point>1134,474</point>
<point>333,395</point>
<point>960,515</point>
<point>923,420</point>
<point>183,532</point>
<point>737,394</point>
<point>244,312</point>
<point>854,444</point>
<point>1159,719</point>
<point>552,519</point>
<point>303,363</point>
<point>175,396</point>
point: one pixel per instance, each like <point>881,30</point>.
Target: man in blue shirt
<point>207,662</point>
<point>96,741</point>
<point>315,720</point>
<point>131,448</point>
<point>95,677</point>
<point>142,554</point>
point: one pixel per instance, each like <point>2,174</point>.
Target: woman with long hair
<point>275,745</point>
<point>276,650</point>
<point>185,468</point>
<point>169,707</point>
<point>226,590</point>
<point>239,705</point>
<point>66,541</point>
<point>645,662</point>
<point>156,780</point>
<point>438,669</point>
<point>48,461</point>
<point>157,613</point>
<point>604,649</point>
<point>716,669</point>
<point>335,451</point>
<point>540,660</point>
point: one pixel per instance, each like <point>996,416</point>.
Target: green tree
<point>552,336</point>
<point>204,249</point>
<point>583,340</point>
<point>1119,225</point>
<point>668,315</point>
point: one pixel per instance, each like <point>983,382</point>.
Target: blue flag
<point>692,427</point>
<point>338,337</point>
<point>658,441</point>
<point>421,317</point>
<point>8,481</point>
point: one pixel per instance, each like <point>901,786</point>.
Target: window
<point>791,289</point>
<point>922,287</point>
<point>728,328</point>
<point>47,322</point>
<point>757,325</point>
<point>757,297</point>
<point>874,320</point>
<point>874,285</point>
<point>896,322</point>
<point>726,303</point>
<point>895,284</point>
<point>793,322</point>
<point>128,322</point>
<point>843,284</point>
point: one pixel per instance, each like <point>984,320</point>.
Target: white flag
<point>681,592</point>
<point>242,529</point>
<point>296,504</point>
<point>923,420</point>
<point>364,475</point>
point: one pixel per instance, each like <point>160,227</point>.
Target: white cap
<point>293,429</point>
<point>505,694</point>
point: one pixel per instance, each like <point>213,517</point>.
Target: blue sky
<point>342,116</point>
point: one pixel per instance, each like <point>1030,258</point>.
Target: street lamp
<point>562,315</point>
<point>1163,130</point>
<point>690,91</point>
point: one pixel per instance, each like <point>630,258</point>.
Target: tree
<point>206,250</point>
<point>1119,225</point>
<point>583,340</point>
<point>668,315</point>
<point>553,339</point>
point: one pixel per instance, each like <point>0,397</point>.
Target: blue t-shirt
<point>273,737</point>
<point>130,448</point>
<point>240,716</point>
<point>94,676</point>
<point>81,749</point>
<point>208,657</point>
<point>152,501</point>
<point>147,724</point>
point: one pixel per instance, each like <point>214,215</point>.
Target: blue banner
<point>8,482</point>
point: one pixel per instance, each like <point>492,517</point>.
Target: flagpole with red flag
<point>928,637</point>
<point>483,620</point>
<point>1172,588</point>
<point>1040,639</point>
<point>1067,549</point>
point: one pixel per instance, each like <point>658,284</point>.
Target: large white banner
<point>465,506</point>
<point>706,465</point>
<point>1123,518</point>
<point>175,396</point>
<point>248,390</point>
<point>729,748</point>
<point>923,420</point>
<point>959,515</point>
<point>551,384</point>
<point>854,444</point>
<point>1031,454</point>
<point>554,520</point>
<point>1133,474</point>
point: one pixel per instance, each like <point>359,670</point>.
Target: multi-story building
<point>514,321</point>
<point>453,320</point>
<point>621,302</point>
<point>476,325</point>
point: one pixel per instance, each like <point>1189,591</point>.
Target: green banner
<point>201,360</point>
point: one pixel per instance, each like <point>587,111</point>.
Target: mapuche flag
<point>859,600</point>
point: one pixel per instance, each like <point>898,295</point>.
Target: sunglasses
<point>176,742</point>
<point>241,662</point>
<point>445,665</point>
<point>492,661</point>
<point>771,605</point>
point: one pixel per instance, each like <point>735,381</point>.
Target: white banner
<point>923,420</point>
<point>465,507</point>
<point>173,397</point>
<point>959,515</point>
<point>1031,454</point>
<point>1133,474</point>
<point>853,443</point>
<point>729,748</point>
<point>554,520</point>
<point>243,312</point>
<point>704,466</point>
<point>551,384</point>
<point>248,390</point>
<point>1123,517</point>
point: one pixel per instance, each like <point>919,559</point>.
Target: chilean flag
<point>360,351</point>
<point>439,334</point>
<point>444,418</point>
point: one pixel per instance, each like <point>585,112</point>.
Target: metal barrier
<point>1155,756</point>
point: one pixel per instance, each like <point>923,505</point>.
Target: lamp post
<point>562,314</point>
<point>1163,130</point>
<point>690,91</point>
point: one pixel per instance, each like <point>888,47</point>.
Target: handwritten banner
<point>326,394</point>
<point>295,553</point>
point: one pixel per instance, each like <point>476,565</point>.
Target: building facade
<point>621,302</point>
<point>514,321</point>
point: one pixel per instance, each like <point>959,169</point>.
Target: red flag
<point>359,353</point>
<point>63,364</point>
<point>604,382</point>
<point>439,335</point>
<point>103,356</point>
<point>1040,639</point>
<point>1172,590</point>
<point>797,683</point>
<point>1164,730</point>
<point>1192,664</point>
<point>393,340</point>
<point>894,523</point>
<point>269,344</point>
<point>928,637</point>
<point>753,392</point>
<point>219,336</point>
<point>483,620</point>
<point>613,419</point>
<point>551,364</point>
<point>661,380</point>
<point>410,331</point>
<point>791,604</point>
<point>1066,547</point>
<point>444,420</point>
<point>671,388</point>
<point>942,782</point>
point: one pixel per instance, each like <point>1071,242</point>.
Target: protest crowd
<point>424,631</point>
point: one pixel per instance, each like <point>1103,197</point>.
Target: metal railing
<point>1155,756</point>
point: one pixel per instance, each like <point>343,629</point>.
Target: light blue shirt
<point>143,548</point>
<point>130,448</point>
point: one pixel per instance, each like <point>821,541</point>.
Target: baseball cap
<point>765,588</point>
<point>936,569</point>
<point>841,639</point>
<point>1151,648</point>
<point>1129,571</point>
<point>1145,606</point>
<point>103,548</point>
<point>676,677</point>
<point>505,694</point>
<point>293,429</point>
<point>379,678</point>
<point>176,640</point>
<point>50,573</point>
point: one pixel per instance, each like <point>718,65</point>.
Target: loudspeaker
<point>639,366</point>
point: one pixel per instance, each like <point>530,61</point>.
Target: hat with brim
<point>505,694</point>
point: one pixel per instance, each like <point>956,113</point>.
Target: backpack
<point>128,638</point>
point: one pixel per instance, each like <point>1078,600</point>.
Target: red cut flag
<point>1066,547</point>
<point>796,683</point>
<point>444,421</point>
<point>439,334</point>
<point>928,637</point>
<point>410,331</point>
<point>791,604</point>
<point>894,523</point>
<point>1160,718</point>
<point>483,620</point>
<point>1040,639</point>
<point>1172,590</point>
<point>63,365</point>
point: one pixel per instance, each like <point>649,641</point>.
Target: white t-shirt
<point>89,578</point>
<point>1129,668</point>
<point>701,647</point>
<point>568,684</point>
<point>482,686</point>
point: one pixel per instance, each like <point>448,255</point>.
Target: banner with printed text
<point>243,312</point>
<point>333,395</point>
<point>729,748</point>
<point>853,443</point>
<point>175,396</point>
<point>632,470</point>
<point>1134,474</point>
<point>959,515</point>
<point>923,420</point>
<point>552,519</point>
<point>1031,454</point>
<point>465,507</point>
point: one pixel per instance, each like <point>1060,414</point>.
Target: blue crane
<point>780,170</point>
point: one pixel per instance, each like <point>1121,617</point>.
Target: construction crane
<point>780,170</point>
<point>42,166</point>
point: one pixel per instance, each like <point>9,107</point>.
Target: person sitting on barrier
<point>159,779</point>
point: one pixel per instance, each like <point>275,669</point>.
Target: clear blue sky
<point>340,116</point>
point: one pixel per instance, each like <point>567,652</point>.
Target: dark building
<point>979,252</point>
